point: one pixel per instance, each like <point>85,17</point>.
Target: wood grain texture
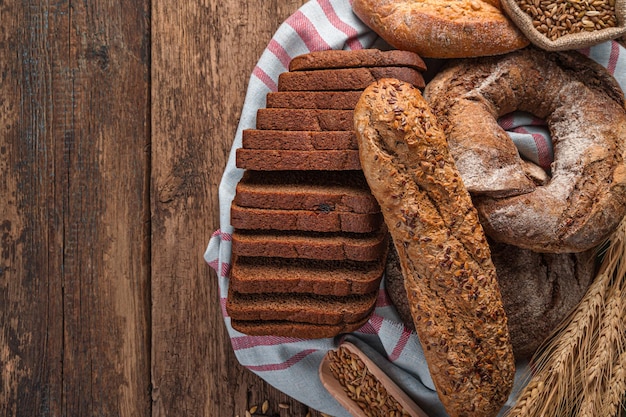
<point>116,120</point>
<point>73,270</point>
<point>202,58</point>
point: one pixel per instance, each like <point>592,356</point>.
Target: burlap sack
<point>566,42</point>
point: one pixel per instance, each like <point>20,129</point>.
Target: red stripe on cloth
<point>397,350</point>
<point>247,342</point>
<point>265,79</point>
<point>225,269</point>
<point>214,264</point>
<point>383,299</point>
<point>585,51</point>
<point>544,155</point>
<point>283,365</point>
<point>352,41</point>
<point>279,52</point>
<point>614,55</point>
<point>307,31</point>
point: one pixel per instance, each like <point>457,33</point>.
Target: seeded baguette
<point>445,258</point>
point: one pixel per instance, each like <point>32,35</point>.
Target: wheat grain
<point>593,335</point>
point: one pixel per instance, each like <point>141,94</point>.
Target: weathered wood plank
<point>74,117</point>
<point>202,55</point>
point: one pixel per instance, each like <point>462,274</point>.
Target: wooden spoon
<point>337,390</point>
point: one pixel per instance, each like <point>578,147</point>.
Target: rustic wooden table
<point>116,120</point>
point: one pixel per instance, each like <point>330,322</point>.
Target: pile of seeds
<point>555,18</point>
<point>363,387</point>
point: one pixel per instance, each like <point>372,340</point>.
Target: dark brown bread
<point>345,79</point>
<point>306,190</point>
<point>336,58</point>
<point>449,275</point>
<point>310,245</point>
<point>304,119</point>
<point>294,329</point>
<point>299,140</point>
<point>288,160</point>
<point>305,220</point>
<point>539,290</point>
<point>330,100</point>
<point>312,276</point>
<point>303,308</point>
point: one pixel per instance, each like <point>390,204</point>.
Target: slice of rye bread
<point>288,160</point>
<point>330,100</point>
<point>303,308</point>
<point>356,58</point>
<point>316,120</point>
<point>304,220</point>
<point>345,79</point>
<point>298,140</point>
<point>306,190</point>
<point>295,329</point>
<point>310,245</point>
<point>250,275</point>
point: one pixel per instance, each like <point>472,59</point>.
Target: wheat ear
<point>558,383</point>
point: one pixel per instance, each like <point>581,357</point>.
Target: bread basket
<point>555,14</point>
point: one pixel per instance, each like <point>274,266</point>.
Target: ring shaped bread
<point>583,106</point>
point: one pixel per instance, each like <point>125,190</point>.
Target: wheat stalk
<point>563,381</point>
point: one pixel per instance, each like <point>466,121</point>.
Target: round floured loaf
<point>538,290</point>
<point>442,28</point>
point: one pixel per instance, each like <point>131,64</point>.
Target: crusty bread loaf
<point>337,58</point>
<point>449,275</point>
<point>442,28</point>
<point>345,79</point>
<point>289,160</point>
<point>539,290</point>
<point>306,190</point>
<point>304,119</point>
<point>303,308</point>
<point>298,140</point>
<point>310,245</point>
<point>300,275</point>
<point>330,100</point>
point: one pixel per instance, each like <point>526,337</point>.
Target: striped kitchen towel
<point>290,364</point>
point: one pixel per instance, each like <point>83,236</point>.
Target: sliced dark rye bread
<point>306,190</point>
<point>294,329</point>
<point>304,220</point>
<point>298,140</point>
<point>356,58</point>
<point>345,79</point>
<point>303,308</point>
<point>305,119</point>
<point>288,160</point>
<point>310,245</point>
<point>330,100</point>
<point>313,276</point>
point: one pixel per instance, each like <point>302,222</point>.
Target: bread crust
<point>338,58</point>
<point>585,199</point>
<point>449,275</point>
<point>442,29</point>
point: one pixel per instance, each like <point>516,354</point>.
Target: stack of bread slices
<point>309,243</point>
